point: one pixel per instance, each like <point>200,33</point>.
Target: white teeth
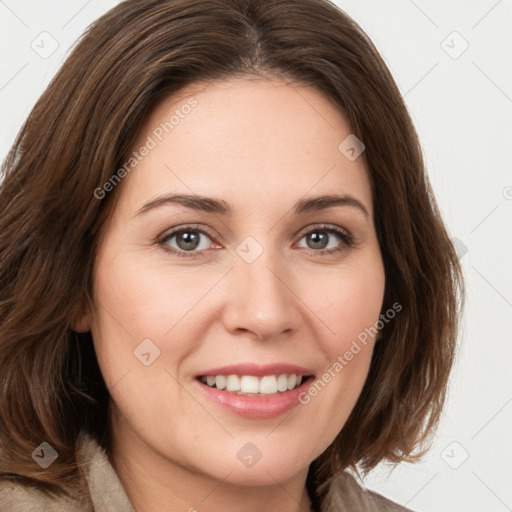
<point>233,383</point>
<point>220,381</point>
<point>268,385</point>
<point>250,385</point>
<point>282,383</point>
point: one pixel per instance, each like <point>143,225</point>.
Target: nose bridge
<point>260,298</point>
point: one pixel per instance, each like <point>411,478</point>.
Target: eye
<point>190,241</point>
<point>327,239</point>
<point>187,239</point>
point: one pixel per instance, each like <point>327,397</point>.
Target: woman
<point>224,277</point>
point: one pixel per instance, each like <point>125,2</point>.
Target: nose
<point>260,299</point>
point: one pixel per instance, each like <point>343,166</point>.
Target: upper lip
<point>257,370</point>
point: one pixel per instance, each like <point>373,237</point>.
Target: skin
<point>260,145</point>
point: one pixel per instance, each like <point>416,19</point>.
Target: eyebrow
<point>219,206</point>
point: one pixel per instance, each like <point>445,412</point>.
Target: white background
<point>462,108</point>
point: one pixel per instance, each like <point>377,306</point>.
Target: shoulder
<point>16,497</point>
<point>105,491</point>
<point>346,494</point>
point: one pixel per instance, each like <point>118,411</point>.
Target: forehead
<point>254,143</point>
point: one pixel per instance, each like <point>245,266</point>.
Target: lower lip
<point>256,406</point>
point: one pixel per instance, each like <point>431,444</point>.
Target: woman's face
<point>257,283</point>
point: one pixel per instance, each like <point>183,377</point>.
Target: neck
<point>153,482</point>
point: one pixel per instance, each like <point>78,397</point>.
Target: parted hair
<point>78,135</point>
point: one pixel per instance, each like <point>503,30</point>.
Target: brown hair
<point>78,134</point>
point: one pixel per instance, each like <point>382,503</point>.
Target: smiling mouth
<point>251,385</point>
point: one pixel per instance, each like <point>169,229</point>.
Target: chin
<point>244,464</point>
<point>261,474</point>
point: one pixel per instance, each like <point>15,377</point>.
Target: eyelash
<point>346,239</point>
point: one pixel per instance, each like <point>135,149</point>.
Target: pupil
<point>318,238</point>
<point>187,241</point>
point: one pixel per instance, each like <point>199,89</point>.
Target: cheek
<point>138,306</point>
<point>348,303</point>
<point>138,301</point>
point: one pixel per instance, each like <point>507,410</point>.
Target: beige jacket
<point>107,493</point>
